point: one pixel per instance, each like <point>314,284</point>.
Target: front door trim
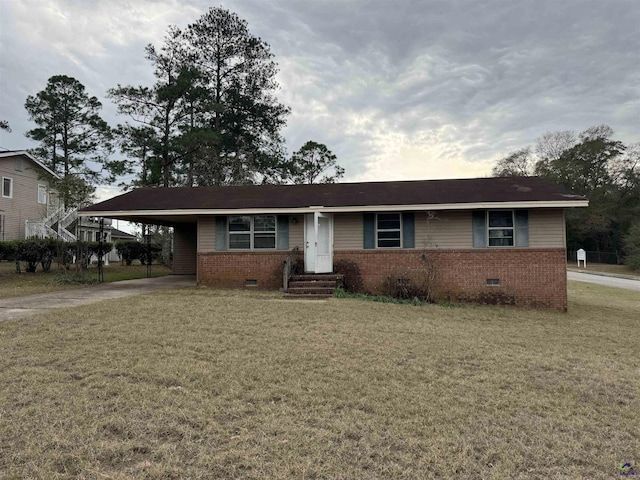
<point>318,240</point>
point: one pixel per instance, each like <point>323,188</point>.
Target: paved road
<point>605,280</point>
<point>26,306</point>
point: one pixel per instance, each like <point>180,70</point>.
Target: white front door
<point>318,253</point>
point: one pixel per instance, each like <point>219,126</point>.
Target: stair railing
<point>288,267</point>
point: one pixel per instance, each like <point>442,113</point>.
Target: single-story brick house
<point>490,240</point>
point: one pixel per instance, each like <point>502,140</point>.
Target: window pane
<point>501,219</point>
<point>388,243</point>
<point>264,223</point>
<point>388,221</point>
<point>42,194</point>
<point>239,224</point>
<point>6,187</point>
<point>501,237</point>
<point>389,235</point>
<point>264,240</point>
<point>240,241</point>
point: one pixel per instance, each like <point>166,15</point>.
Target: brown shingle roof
<point>419,192</point>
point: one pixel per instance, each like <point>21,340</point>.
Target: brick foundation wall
<point>233,269</point>
<point>528,277</point>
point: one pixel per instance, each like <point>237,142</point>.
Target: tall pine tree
<point>74,141</point>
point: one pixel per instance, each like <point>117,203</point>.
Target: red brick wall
<point>233,269</point>
<point>528,277</point>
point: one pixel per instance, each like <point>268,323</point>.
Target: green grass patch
<point>73,279</point>
<point>341,293</point>
<point>201,383</point>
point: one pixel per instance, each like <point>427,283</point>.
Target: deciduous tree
<point>313,160</point>
<point>519,163</point>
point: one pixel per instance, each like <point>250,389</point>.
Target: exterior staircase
<point>69,217</point>
<point>53,226</point>
<point>313,286</point>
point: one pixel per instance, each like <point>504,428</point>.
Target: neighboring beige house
<point>25,193</point>
<point>29,207</point>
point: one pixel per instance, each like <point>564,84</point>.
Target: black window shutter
<point>408,230</point>
<point>369,230</point>
<point>283,232</point>
<point>479,222</point>
<point>221,233</point>
<point>522,228</point>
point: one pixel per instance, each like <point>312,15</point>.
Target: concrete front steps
<point>313,286</point>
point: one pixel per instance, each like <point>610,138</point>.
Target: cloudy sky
<point>404,89</point>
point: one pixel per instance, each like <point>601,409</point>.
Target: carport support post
<point>100,249</point>
<point>146,231</point>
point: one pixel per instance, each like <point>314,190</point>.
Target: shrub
<point>632,247</point>
<point>130,251</point>
<point>351,272</point>
<point>7,250</point>
<point>31,252</point>
<point>412,282</point>
<point>48,251</point>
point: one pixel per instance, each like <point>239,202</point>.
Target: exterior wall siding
<point>527,276</point>
<point>452,230</point>
<point>296,231</point>
<point>547,228</point>
<point>347,231</point>
<point>185,249</point>
<point>207,234</point>
<point>24,203</point>
<point>443,229</point>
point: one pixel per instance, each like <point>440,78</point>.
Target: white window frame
<point>42,188</point>
<point>389,230</point>
<point>10,187</point>
<point>252,232</point>
<point>512,227</point>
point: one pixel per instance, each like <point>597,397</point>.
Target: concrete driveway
<point>17,307</point>
<point>607,280</point>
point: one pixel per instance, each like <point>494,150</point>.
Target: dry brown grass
<point>224,384</point>
<point>14,284</point>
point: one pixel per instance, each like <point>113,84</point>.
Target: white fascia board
<point>342,209</point>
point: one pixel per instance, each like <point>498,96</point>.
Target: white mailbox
<point>582,256</point>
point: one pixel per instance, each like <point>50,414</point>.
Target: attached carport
<point>185,232</point>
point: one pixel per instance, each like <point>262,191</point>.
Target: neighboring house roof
<point>119,234</point>
<point>24,153</point>
<point>501,192</point>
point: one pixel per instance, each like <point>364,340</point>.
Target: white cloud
<point>77,29</point>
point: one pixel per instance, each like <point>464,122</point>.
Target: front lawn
<point>14,284</point>
<point>200,383</point>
